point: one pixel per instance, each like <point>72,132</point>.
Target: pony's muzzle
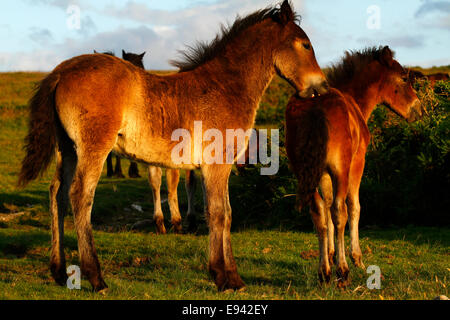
<point>323,87</point>
<point>315,90</point>
<point>415,112</point>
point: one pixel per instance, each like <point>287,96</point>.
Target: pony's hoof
<point>343,280</point>
<point>234,282</point>
<point>59,275</point>
<point>160,228</point>
<point>177,228</point>
<point>192,226</point>
<point>134,175</point>
<point>100,287</point>
<point>61,280</point>
<point>357,261</point>
<point>325,277</point>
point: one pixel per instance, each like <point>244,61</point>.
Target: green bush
<point>406,179</point>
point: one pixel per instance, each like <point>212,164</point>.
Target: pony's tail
<point>310,153</point>
<point>41,139</point>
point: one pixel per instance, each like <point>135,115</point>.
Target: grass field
<point>275,264</point>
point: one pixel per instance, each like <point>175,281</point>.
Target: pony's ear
<point>95,51</point>
<point>387,57</point>
<point>286,12</point>
<point>142,55</point>
<point>123,53</point>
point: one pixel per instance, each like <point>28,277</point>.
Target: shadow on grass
<point>413,234</point>
<point>24,198</point>
<point>19,244</point>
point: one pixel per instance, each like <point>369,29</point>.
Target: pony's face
<point>295,60</point>
<point>135,59</point>
<point>396,90</point>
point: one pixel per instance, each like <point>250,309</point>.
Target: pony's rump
<point>41,139</point>
<point>306,144</point>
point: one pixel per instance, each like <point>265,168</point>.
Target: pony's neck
<point>365,95</point>
<point>245,68</point>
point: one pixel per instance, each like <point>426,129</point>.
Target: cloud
<point>41,36</point>
<point>62,4</point>
<point>433,6</point>
<point>434,14</point>
<point>87,25</point>
<point>138,40</point>
<point>395,41</point>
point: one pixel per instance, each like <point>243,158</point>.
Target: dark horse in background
<point>327,139</point>
<point>133,170</point>
<point>92,104</point>
<point>415,76</point>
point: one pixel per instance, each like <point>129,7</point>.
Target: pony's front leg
<point>173,178</point>
<point>319,217</point>
<point>154,178</point>
<point>222,265</point>
<point>82,191</point>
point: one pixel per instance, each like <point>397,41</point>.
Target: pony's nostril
<point>323,87</point>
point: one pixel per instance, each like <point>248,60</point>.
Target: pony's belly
<point>154,151</point>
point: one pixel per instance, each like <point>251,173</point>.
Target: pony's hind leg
<point>66,160</point>
<point>354,209</point>
<point>173,178</point>
<point>190,184</point>
<point>118,169</point>
<point>339,215</point>
<point>319,217</point>
<point>222,265</point>
<point>154,178</point>
<point>82,191</point>
<point>326,187</point>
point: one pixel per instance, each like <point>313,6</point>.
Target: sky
<point>37,35</point>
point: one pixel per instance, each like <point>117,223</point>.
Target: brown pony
<point>415,75</point>
<point>437,77</point>
<point>360,82</point>
<point>133,170</point>
<point>92,104</point>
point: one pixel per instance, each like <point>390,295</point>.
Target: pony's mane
<point>351,64</point>
<point>203,52</point>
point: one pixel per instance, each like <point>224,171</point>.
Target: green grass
<point>275,264</point>
<point>414,264</point>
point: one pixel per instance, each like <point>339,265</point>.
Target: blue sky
<point>35,36</point>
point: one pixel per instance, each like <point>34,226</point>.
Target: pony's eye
<point>405,79</point>
<point>307,46</point>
